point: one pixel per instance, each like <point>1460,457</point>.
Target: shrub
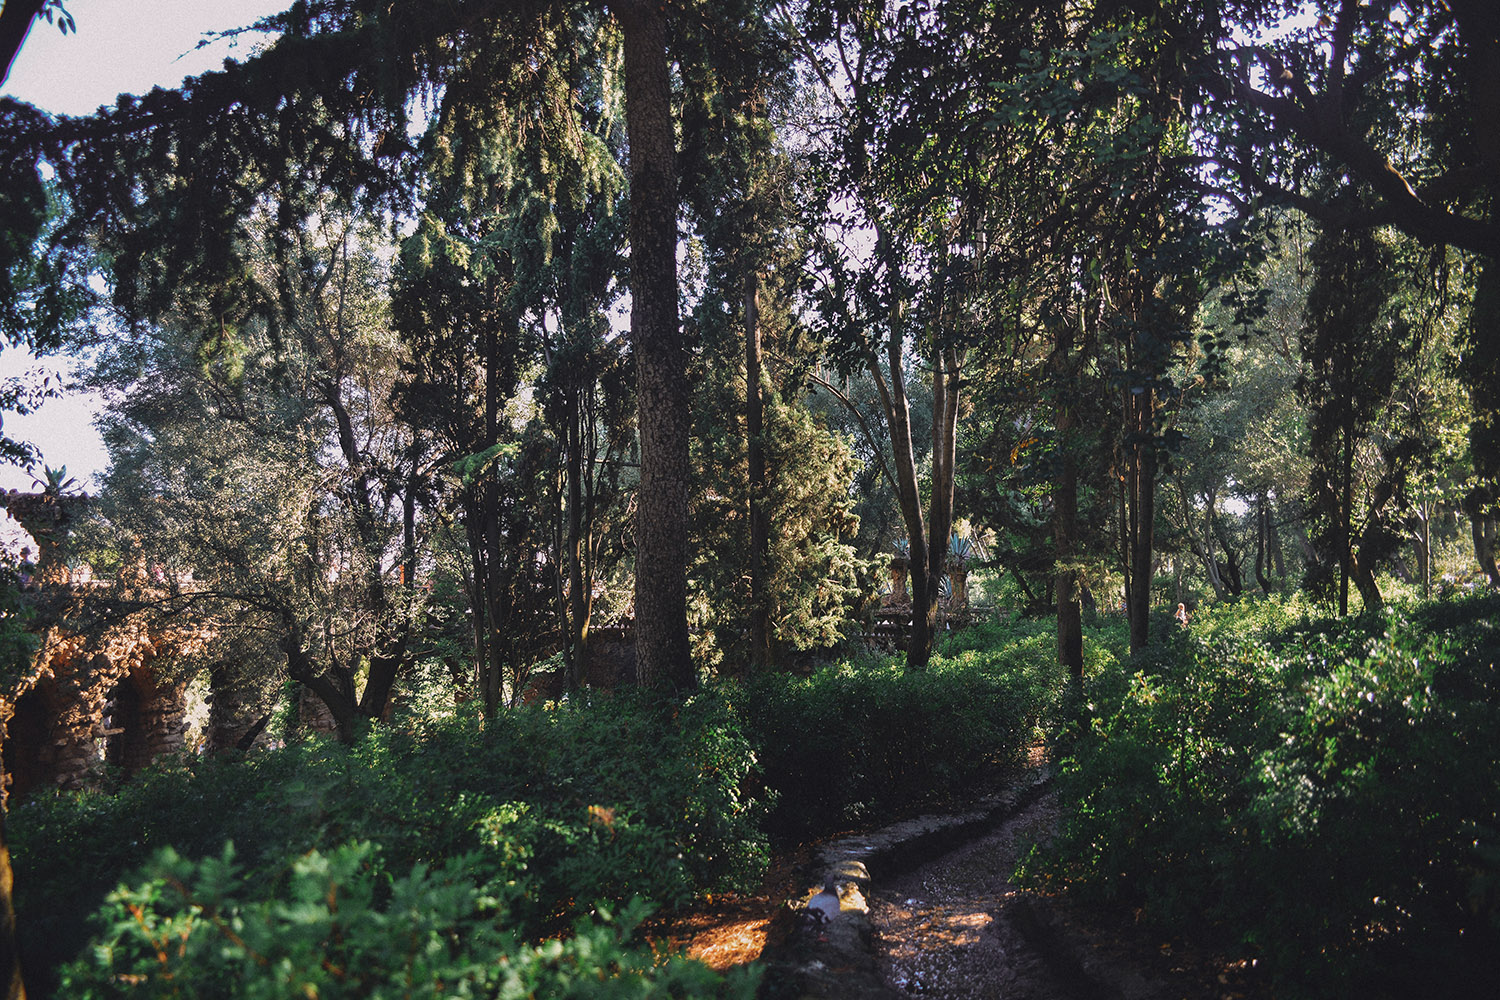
<point>1324,793</point>
<point>862,738</point>
<point>550,810</point>
<point>343,928</point>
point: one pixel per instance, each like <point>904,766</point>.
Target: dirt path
<point>947,929</point>
<point>957,927</point>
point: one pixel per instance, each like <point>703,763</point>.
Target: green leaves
<point>347,930</point>
<point>1293,786</point>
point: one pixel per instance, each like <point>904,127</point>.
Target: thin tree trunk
<point>490,558</point>
<point>760,528</point>
<point>945,398</point>
<point>1202,549</point>
<point>1065,517</point>
<point>1481,374</point>
<point>1345,516</point>
<point>580,583</point>
<point>1143,517</point>
<point>1278,558</point>
<point>663,655</point>
<point>1262,546</point>
<point>898,418</point>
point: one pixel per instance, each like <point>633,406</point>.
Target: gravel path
<point>949,928</point>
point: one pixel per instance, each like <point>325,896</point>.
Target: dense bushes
<point>339,929</point>
<point>1327,794</point>
<point>858,740</point>
<point>546,811</point>
<point>416,858</point>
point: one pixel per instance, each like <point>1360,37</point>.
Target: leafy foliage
<point>862,738</point>
<point>341,928</point>
<point>1323,794</point>
<point>546,812</point>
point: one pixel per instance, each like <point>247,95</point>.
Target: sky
<point>121,46</point>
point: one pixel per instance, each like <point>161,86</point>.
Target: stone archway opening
<point>29,750</point>
<point>125,729</point>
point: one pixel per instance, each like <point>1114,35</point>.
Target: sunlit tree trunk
<point>760,527</point>
<point>10,960</point>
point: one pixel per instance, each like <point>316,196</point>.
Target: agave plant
<point>55,482</point>
<point>961,549</point>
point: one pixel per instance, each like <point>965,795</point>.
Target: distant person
<point>1181,616</point>
<point>23,571</point>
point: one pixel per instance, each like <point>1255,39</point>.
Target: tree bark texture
<point>1141,476</point>
<point>580,579</point>
<point>663,656</point>
<point>760,526</point>
<point>898,418</point>
<point>1065,518</point>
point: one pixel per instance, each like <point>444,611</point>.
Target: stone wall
<point>91,705</point>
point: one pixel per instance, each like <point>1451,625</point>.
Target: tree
<point>893,270</point>
<point>1351,347</point>
<point>737,182</point>
<point>257,481</point>
<point>16,18</point>
<point>514,260</point>
<point>1101,267</point>
<point>1390,101</point>
<point>328,106</point>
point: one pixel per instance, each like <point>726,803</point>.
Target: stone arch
<point>125,725</point>
<point>31,735</point>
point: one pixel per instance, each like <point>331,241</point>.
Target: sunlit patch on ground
<point>734,943</point>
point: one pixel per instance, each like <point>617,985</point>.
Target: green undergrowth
<point>510,858</point>
<point>1324,794</point>
<point>866,739</point>
<point>521,825</point>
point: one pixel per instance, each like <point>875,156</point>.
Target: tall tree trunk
<point>1345,516</point>
<point>1481,373</point>
<point>898,419</point>
<point>1422,542</point>
<point>1065,516</point>
<point>946,387</point>
<point>1142,540</point>
<point>491,558</point>
<point>663,655</point>
<point>1262,544</point>
<point>760,527</point>
<point>1273,538</point>
<point>580,583</point>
